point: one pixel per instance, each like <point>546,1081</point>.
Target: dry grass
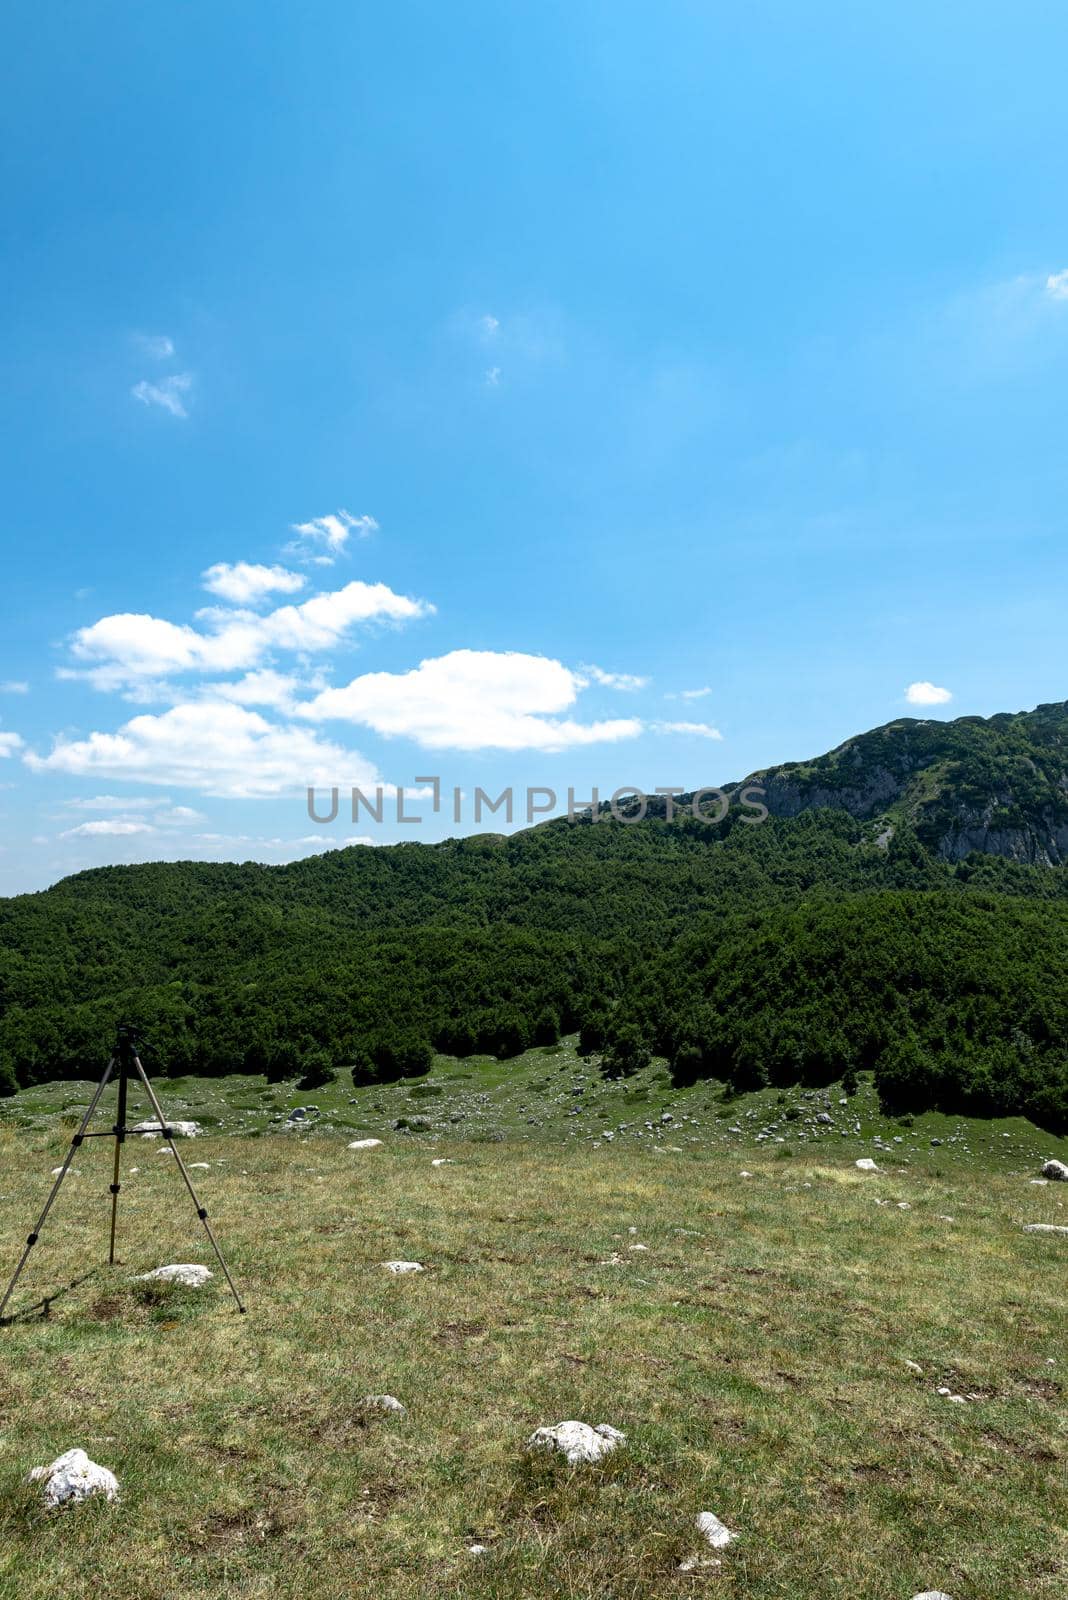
<point>756,1361</point>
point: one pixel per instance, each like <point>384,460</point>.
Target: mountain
<point>739,951</point>
<point>996,785</point>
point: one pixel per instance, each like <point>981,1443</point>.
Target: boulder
<point>577,1442</point>
<point>187,1273</point>
<point>1044,1227</point>
<point>72,1477</point>
<point>179,1130</point>
<point>1055,1170</point>
<point>365,1144</point>
<point>398,1268</point>
<point>866,1164</point>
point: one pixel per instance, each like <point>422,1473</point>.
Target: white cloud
<point>493,377</point>
<point>329,535</point>
<point>263,688</point>
<point>213,747</point>
<point>245,582</point>
<point>692,694</point>
<point>1057,285</point>
<point>110,827</point>
<point>156,345</point>
<point>927,694</point>
<point>9,743</point>
<point>689,730</point>
<point>135,649</point>
<point>489,325</point>
<point>471,700</point>
<point>624,681</point>
<point>111,802</point>
<point>167,393</point>
<point>14,686</point>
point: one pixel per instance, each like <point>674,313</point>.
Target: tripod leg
<point>75,1142</point>
<point>201,1213</point>
<point>120,1136</point>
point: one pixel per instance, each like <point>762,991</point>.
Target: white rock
<point>745,1174</point>
<point>577,1442</point>
<point>866,1164</point>
<point>153,1130</point>
<point>441,1161</point>
<point>384,1402</point>
<point>1055,1170</point>
<point>73,1477</point>
<point>365,1144</point>
<point>203,1165</point>
<point>188,1274</point>
<point>478,1549</point>
<point>1044,1227</point>
<point>931,1594</point>
<point>399,1267</point>
<point>717,1533</point>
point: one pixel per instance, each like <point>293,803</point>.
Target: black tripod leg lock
<point>31,1240</point>
<point>114,1188</point>
<point>202,1214</point>
<point>76,1141</point>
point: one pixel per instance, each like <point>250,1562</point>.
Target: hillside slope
<point>374,956</point>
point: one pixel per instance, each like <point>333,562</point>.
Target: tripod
<point>126,1061</point>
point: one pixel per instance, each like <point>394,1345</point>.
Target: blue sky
<point>624,395</point>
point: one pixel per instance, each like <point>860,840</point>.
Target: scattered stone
<point>188,1274</point>
<point>365,1144</point>
<point>205,1166</point>
<point>442,1161</point>
<point>931,1594</point>
<point>72,1477</point>
<point>400,1267</point>
<point>914,1366</point>
<point>384,1402</point>
<point>478,1549</point>
<point>824,1117</point>
<point>1055,1170</point>
<point>699,1563</point>
<point>718,1535</point>
<point>866,1164</point>
<point>947,1394</point>
<point>1044,1227</point>
<point>577,1442</point>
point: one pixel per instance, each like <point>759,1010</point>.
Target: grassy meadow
<point>750,1334</point>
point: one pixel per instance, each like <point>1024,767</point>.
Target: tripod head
<point>128,1039</point>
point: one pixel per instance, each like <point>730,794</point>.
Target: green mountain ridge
<point>640,933</point>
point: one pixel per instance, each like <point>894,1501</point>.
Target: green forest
<point>807,949</point>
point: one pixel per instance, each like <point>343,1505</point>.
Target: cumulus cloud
<point>246,583</point>
<point>927,694</point>
<point>14,686</point>
<point>689,730</point>
<point>471,700</point>
<point>216,748</point>
<point>107,827</point>
<point>322,539</point>
<point>9,743</point>
<point>167,393</point>
<point>139,650</point>
<point>1057,285</point>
